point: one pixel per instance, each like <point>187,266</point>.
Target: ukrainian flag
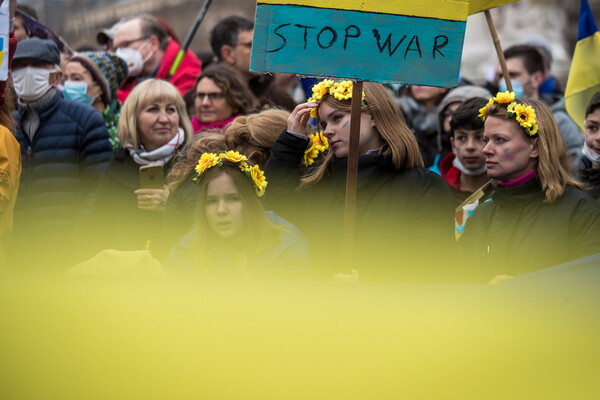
<point>584,76</point>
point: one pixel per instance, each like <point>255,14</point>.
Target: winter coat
<point>62,166</point>
<point>286,259</point>
<point>423,123</point>
<point>10,172</point>
<point>184,79</point>
<point>572,136</point>
<point>117,222</point>
<point>518,232</point>
<point>404,218</point>
<point>590,176</point>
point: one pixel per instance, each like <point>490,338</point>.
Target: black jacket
<point>517,232</point>
<point>404,218</point>
<point>591,177</point>
<point>118,223</point>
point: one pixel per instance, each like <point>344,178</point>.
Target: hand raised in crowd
<point>299,118</point>
<point>152,199</point>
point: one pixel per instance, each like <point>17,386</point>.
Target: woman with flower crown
<point>234,236</point>
<point>404,213</point>
<point>539,215</point>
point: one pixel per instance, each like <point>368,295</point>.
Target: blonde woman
<point>404,212</point>
<point>153,127</point>
<point>539,215</point>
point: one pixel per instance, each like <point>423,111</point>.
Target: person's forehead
<point>246,36</point>
<point>516,65</point>
<point>129,30</point>
<point>207,83</point>
<point>75,67</point>
<point>468,132</point>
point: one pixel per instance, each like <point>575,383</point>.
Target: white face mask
<point>590,154</point>
<point>32,83</point>
<point>133,58</point>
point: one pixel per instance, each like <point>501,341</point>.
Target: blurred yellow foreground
<point>533,337</point>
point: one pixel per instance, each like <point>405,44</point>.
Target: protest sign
<point>4,41</point>
<point>476,6</point>
<point>408,42</point>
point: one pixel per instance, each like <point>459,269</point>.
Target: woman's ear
<point>534,150</point>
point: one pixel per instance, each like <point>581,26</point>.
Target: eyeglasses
<point>212,96</point>
<point>128,43</point>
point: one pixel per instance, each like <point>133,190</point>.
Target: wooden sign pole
<point>352,173</point>
<point>498,46</point>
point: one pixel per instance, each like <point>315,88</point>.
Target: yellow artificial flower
<point>233,156</point>
<point>525,115</point>
<point>342,90</point>
<point>505,97</point>
<point>309,155</point>
<point>319,141</point>
<point>483,112</point>
<point>207,160</point>
<point>534,129</point>
<point>244,166</point>
<point>511,107</point>
<point>314,113</point>
<point>259,179</point>
<point>320,89</point>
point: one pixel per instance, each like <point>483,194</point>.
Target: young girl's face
<point>336,126</point>
<point>592,130</point>
<point>224,208</point>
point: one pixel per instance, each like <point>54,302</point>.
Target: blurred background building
<point>78,22</point>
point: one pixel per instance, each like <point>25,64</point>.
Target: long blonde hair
<point>399,141</point>
<point>553,165</point>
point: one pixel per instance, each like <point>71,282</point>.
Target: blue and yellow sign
<point>416,42</point>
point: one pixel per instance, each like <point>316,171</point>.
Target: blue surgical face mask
<point>77,91</point>
<point>517,88</point>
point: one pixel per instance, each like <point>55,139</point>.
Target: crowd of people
<point>218,171</point>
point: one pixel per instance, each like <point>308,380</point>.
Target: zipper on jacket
<point>29,153</point>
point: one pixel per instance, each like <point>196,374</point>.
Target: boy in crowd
<point>464,169</point>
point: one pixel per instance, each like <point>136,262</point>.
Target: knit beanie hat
<point>107,69</point>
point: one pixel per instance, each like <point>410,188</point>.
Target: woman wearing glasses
<point>220,96</point>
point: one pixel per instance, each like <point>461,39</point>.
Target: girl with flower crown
<point>404,213</point>
<point>538,216</point>
<point>234,236</point>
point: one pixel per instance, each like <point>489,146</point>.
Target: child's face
<point>468,146</point>
<point>592,130</point>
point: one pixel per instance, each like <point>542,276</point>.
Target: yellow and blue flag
<point>584,76</point>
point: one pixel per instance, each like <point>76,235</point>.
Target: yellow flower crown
<point>523,114</point>
<point>318,144</point>
<point>340,90</point>
<point>209,160</point>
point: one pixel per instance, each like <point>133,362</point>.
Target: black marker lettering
<point>388,42</point>
<point>306,28</point>
<point>417,48</point>
<point>333,37</point>
<point>281,36</point>
<point>348,35</point>
<point>443,41</point>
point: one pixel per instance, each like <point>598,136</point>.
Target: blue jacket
<point>62,166</point>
